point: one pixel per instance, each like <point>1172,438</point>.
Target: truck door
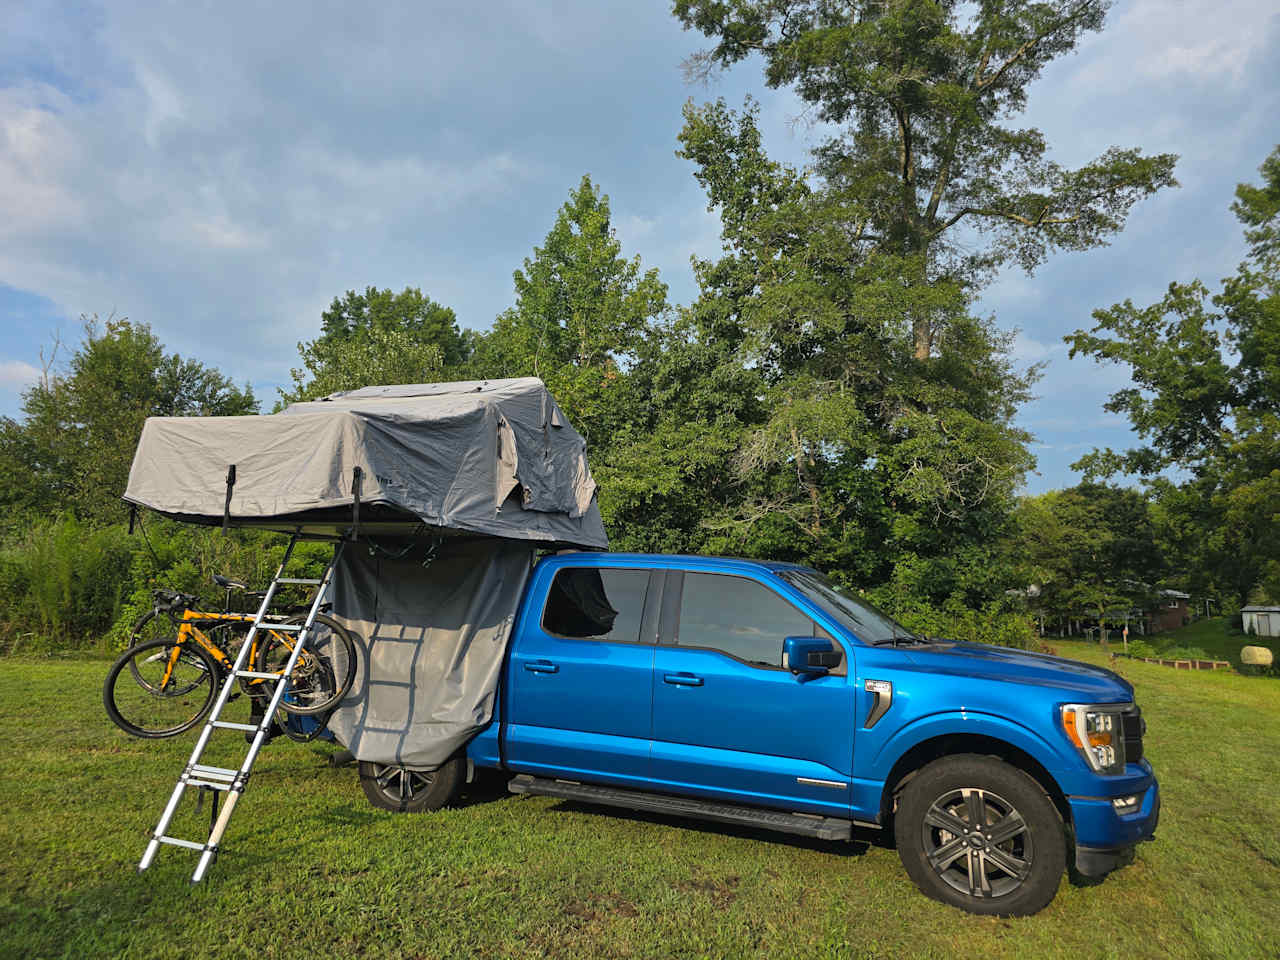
<point>579,680</point>
<point>728,720</point>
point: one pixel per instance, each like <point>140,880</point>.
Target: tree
<point>357,315</point>
<point>374,357</point>
<point>923,91</point>
<point>1206,398</point>
<point>788,415</point>
<point>378,337</point>
<point>74,446</point>
<point>1089,549</point>
<point>582,313</point>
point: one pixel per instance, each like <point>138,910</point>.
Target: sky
<point>221,171</point>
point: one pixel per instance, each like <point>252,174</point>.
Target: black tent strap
<point>226,507</point>
<point>357,482</point>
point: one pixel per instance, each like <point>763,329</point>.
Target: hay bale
<point>1256,656</point>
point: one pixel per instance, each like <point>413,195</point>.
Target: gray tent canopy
<point>491,457</point>
<point>485,472</point>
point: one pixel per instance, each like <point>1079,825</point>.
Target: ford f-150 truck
<point>762,694</point>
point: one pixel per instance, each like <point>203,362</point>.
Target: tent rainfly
<point>491,457</point>
<point>480,473</point>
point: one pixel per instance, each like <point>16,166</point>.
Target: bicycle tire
<point>144,630</point>
<point>316,687</point>
<point>127,700</point>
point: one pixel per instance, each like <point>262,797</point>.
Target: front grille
<point>1133,728</point>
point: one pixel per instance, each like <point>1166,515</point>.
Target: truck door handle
<point>542,666</point>
<point>682,679</point>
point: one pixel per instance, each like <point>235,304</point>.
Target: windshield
<point>862,619</point>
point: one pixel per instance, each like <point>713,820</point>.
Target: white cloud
<point>1201,41</point>
<point>17,374</point>
<point>1028,350</point>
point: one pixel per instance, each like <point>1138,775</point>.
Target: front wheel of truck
<point>981,835</point>
<point>391,787</point>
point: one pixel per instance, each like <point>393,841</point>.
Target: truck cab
<point>761,693</point>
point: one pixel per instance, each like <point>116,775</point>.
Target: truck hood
<point>1079,681</point>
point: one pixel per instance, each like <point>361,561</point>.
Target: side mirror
<point>810,655</point>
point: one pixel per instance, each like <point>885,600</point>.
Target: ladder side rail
<point>224,815</point>
<point>224,695</point>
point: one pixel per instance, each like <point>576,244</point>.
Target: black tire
<point>394,788</point>
<point>152,625</point>
<point>325,670</point>
<point>140,702</point>
<point>1009,866</point>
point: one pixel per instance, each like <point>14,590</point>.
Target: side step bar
<point>803,824</point>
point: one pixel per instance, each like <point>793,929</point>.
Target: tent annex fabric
<point>490,457</point>
<point>433,625</point>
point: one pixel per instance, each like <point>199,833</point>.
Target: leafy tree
<point>375,357</point>
<point>830,396</point>
<point>789,416</point>
<point>1089,549</point>
<point>582,313</point>
<point>356,315</point>
<point>1206,398</point>
<point>926,163</point>
<point>378,337</point>
<point>74,446</point>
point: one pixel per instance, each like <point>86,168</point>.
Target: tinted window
<point>866,622</point>
<point>741,617</point>
<point>598,604</point>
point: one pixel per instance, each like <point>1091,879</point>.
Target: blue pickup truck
<point>761,694</point>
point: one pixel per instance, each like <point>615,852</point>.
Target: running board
<point>803,824</point>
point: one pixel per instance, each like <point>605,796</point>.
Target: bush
<point>63,583</point>
<point>1142,648</point>
<point>66,584</point>
<point>1153,648</point>
<point>994,624</point>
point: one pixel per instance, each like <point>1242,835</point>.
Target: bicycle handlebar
<point>170,600</point>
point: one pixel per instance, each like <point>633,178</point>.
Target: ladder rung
<point>258,675</point>
<point>179,842</point>
<point>218,773</point>
<point>208,783</point>
<point>200,776</point>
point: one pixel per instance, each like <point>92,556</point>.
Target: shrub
<point>1142,648</point>
<point>68,584</point>
<point>63,583</point>
<point>994,624</point>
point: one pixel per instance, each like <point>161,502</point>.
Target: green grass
<point>310,870</point>
<point>1211,635</point>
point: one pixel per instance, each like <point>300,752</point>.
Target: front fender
<point>965,723</point>
<point>875,761</point>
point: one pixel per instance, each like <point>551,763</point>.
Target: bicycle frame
<point>190,632</point>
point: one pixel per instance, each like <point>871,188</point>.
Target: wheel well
<point>924,753</point>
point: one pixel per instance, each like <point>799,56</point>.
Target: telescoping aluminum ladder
<point>233,782</point>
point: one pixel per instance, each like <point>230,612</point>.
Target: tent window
<point>596,604</point>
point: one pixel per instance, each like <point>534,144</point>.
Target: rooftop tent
<point>491,457</point>
<point>459,484</point>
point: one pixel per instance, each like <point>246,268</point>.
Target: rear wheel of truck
<point>391,787</point>
<point>981,835</point>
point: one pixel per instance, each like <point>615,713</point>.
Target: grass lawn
<point>1211,636</point>
<point>311,870</point>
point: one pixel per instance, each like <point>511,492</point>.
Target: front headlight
<point>1097,732</point>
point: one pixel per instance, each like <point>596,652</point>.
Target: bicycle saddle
<point>227,583</point>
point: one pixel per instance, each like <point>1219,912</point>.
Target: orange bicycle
<point>166,681</point>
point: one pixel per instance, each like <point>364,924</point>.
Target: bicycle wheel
<point>152,625</point>
<point>325,670</point>
<point>151,692</point>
